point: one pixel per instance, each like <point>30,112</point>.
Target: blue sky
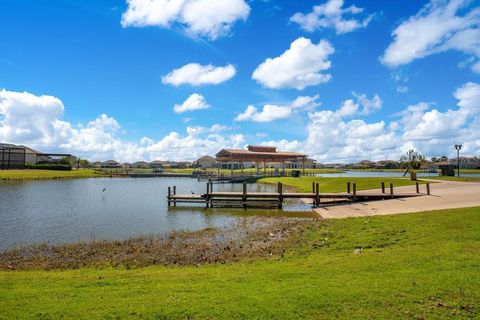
<point>80,53</point>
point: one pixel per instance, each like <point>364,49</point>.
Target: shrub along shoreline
<point>252,237</point>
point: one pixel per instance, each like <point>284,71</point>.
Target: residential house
<point>465,163</point>
<point>157,164</point>
<point>18,156</point>
<point>387,164</point>
<point>111,164</point>
<point>140,165</point>
<point>205,162</point>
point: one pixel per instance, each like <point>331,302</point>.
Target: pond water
<point>59,211</point>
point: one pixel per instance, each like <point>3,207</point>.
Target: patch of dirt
<point>254,237</point>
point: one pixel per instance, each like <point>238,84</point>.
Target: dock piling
<point>391,190</point>
<point>417,187</point>
<point>383,187</point>
<point>244,195</point>
<point>207,197</point>
<point>428,188</point>
<point>169,194</point>
<point>280,195</point>
<point>174,193</point>
<point>348,187</point>
<point>354,192</point>
<point>317,195</point>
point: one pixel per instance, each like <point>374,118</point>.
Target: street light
<point>458,147</point>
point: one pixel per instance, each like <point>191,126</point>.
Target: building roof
<point>386,161</point>
<point>140,163</point>
<point>111,162</point>
<point>226,155</point>
<point>8,145</point>
<point>262,148</point>
<point>31,149</point>
<point>206,158</point>
<point>14,146</point>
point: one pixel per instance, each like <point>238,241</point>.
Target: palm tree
<point>413,161</point>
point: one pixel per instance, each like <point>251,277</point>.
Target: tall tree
<point>412,160</point>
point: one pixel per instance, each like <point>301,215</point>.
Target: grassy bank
<point>304,184</point>
<point>250,170</point>
<point>468,171</point>
<point>412,266</point>
<point>46,174</point>
<point>377,170</point>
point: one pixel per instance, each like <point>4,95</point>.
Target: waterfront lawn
<point>468,171</point>
<point>46,174</point>
<point>249,170</point>
<point>411,266</point>
<point>377,170</point>
<point>304,184</point>
<point>307,171</point>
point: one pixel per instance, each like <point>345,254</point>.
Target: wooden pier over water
<point>247,199</point>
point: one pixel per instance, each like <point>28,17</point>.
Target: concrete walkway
<point>444,195</point>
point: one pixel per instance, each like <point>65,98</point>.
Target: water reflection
<point>104,208</point>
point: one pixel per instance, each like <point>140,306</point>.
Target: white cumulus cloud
<point>331,14</point>
<point>195,74</point>
<point>194,102</point>
<point>268,113</point>
<point>208,18</point>
<point>298,67</point>
<point>272,112</point>
<point>369,105</point>
<point>37,121</point>
<point>361,105</point>
<point>28,117</point>
<point>332,138</point>
<point>438,27</point>
<point>468,97</point>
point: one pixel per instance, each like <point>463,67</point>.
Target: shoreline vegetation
<point>421,265</point>
<point>252,237</point>
<point>37,174</point>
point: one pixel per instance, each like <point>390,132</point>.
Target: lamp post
<point>458,147</point>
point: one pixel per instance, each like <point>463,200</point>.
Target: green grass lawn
<point>248,170</point>
<point>290,170</point>
<point>412,266</point>
<point>377,170</point>
<point>468,171</point>
<point>304,184</point>
<point>46,174</point>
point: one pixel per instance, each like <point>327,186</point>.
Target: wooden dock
<point>246,199</point>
